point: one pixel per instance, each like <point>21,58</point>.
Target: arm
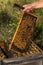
<point>38,4</point>
<point>34,5</point>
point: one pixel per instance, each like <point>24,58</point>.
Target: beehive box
<point>32,57</point>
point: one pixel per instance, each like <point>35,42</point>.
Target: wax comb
<point>24,31</point>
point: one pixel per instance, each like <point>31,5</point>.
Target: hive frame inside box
<point>32,60</point>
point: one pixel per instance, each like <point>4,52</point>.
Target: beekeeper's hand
<point>32,6</point>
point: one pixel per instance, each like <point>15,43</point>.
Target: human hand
<point>32,6</point>
<point>28,8</point>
